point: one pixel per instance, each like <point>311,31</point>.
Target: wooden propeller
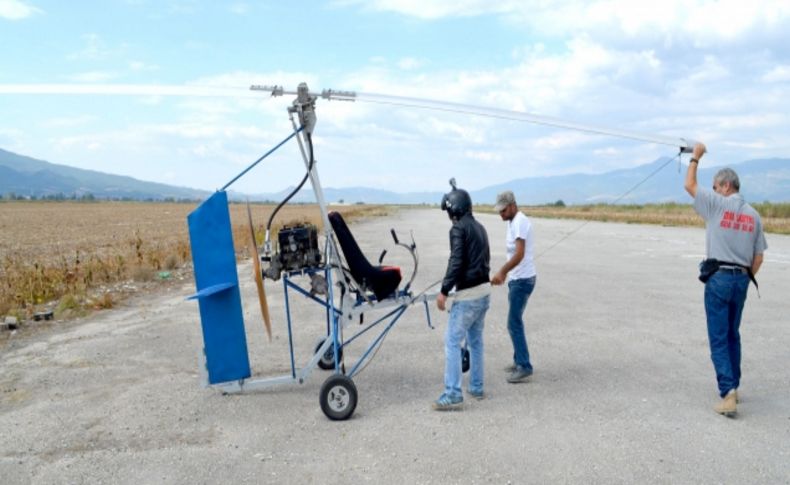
<point>256,263</point>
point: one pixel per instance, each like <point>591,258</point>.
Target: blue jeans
<point>518,293</point>
<point>725,295</point>
<point>467,319</point>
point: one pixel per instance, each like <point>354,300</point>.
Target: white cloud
<point>183,7</point>
<point>749,121</point>
<point>483,155</point>
<point>243,79</point>
<point>778,74</point>
<point>755,145</point>
<point>712,69</point>
<point>410,63</point>
<point>704,20</point>
<point>94,49</point>
<point>69,122</point>
<point>204,154</point>
<point>607,152</point>
<point>11,137</point>
<point>240,8</point>
<point>140,66</point>
<point>561,139</point>
<point>93,77</point>
<point>436,128</point>
<point>131,90</point>
<point>434,9</point>
<point>17,10</point>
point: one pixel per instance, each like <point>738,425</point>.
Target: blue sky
<point>717,71</point>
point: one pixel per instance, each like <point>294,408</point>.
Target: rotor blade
<point>682,143</point>
<point>686,145</point>
<point>129,90</point>
<point>259,277</point>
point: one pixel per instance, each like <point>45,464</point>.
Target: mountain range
<point>656,182</point>
<point>25,176</point>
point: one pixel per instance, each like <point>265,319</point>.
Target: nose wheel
<point>338,397</point>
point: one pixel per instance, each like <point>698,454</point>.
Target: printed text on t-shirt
<point>737,222</point>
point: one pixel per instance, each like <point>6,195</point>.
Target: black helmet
<point>457,202</point>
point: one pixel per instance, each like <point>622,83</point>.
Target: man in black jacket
<point>467,272</point>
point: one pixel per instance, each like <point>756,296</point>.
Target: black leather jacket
<point>468,265</point>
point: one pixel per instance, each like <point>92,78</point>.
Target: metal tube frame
<point>348,309</point>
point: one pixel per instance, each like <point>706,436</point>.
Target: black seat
<point>381,280</point>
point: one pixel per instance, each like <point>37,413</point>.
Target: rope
<point>614,202</point>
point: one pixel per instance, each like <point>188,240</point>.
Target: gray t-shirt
<point>733,229</point>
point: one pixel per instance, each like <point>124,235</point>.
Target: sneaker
<point>727,406</point>
<point>510,368</point>
<point>477,395</point>
<point>519,375</point>
<point>448,403</point>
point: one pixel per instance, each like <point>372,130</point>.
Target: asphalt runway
<point>622,392</point>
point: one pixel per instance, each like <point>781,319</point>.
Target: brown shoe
<point>727,406</point>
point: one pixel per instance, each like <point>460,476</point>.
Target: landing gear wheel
<point>338,397</point>
<point>465,359</point>
<point>327,360</point>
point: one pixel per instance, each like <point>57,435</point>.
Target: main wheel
<point>327,360</point>
<point>338,397</point>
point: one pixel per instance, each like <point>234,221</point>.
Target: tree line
<point>88,197</point>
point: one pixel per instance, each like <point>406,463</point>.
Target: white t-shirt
<point>520,228</point>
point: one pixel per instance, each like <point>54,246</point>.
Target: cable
<point>614,202</point>
<point>298,187</point>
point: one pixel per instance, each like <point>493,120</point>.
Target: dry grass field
<point>71,257</point>
<point>776,217</point>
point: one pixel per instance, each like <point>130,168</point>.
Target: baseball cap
<point>504,199</point>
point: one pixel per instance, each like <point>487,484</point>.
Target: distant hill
<point>25,176</point>
<point>761,180</point>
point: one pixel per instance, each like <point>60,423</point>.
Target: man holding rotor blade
<point>734,246</point>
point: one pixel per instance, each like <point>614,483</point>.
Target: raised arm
<point>691,174</point>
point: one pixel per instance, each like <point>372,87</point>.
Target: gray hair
<point>728,175</point>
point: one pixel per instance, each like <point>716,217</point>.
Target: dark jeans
<point>725,295</point>
<point>518,294</point>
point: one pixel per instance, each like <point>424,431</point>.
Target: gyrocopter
<point>340,277</point>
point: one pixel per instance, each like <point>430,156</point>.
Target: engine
<point>298,250</point>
